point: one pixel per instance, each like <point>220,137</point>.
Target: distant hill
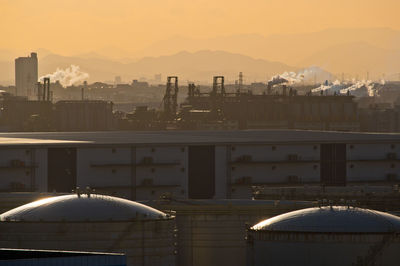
<point>202,65</point>
<point>293,49</point>
<point>352,51</point>
<point>198,66</point>
<point>356,58</point>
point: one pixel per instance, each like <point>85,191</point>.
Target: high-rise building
<point>26,75</point>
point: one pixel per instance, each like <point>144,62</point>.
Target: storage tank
<point>329,235</point>
<point>89,222</point>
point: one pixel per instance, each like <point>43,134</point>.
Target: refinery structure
<point>285,101</point>
<point>221,106</point>
<point>274,173</point>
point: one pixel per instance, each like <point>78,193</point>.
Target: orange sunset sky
<point>76,26</point>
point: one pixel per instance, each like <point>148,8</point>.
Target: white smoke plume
<point>308,74</point>
<point>67,77</point>
<point>330,88</point>
<point>362,88</point>
<point>278,79</point>
<point>286,77</point>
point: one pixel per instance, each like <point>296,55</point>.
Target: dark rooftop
<point>190,137</point>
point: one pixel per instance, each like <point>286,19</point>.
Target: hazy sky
<point>77,26</point>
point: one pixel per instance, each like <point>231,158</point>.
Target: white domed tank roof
<point>84,207</point>
<point>332,219</point>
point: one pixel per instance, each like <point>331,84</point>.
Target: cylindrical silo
<point>329,235</point>
<point>84,222</point>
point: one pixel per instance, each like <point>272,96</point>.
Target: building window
<point>113,170</point>
<point>153,170</point>
<point>153,149</point>
<point>233,148</point>
<point>351,147</point>
<point>315,167</point>
<point>351,165</point>
<point>273,148</point>
<point>273,167</point>
<point>113,150</point>
<point>392,146</point>
<point>315,147</point>
<point>392,165</point>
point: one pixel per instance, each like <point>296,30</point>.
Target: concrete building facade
<point>195,164</point>
<point>26,75</point>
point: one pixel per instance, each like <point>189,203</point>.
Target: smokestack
<point>284,90</point>
<point>82,93</point>
<point>39,91</point>
<point>240,81</point>
<point>46,89</point>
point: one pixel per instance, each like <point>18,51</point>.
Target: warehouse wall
<point>163,170</point>
<point>23,169</point>
<point>154,171</point>
<point>373,162</point>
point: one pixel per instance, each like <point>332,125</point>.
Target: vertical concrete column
<point>221,167</point>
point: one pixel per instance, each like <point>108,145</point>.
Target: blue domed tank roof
<point>332,219</point>
<point>82,208</point>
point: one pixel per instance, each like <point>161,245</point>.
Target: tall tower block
<point>26,75</point>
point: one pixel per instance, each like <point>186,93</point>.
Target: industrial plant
<point>283,102</point>
<point>280,172</point>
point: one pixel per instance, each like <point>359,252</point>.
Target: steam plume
<point>335,87</point>
<point>362,89</point>
<point>67,77</point>
<point>307,74</point>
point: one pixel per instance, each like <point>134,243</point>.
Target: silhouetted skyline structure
<point>26,75</point>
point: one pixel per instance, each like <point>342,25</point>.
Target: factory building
<point>195,164</point>
<point>83,115</point>
<point>19,114</point>
<point>26,75</point>
<point>92,223</point>
<point>329,235</point>
<point>277,108</point>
